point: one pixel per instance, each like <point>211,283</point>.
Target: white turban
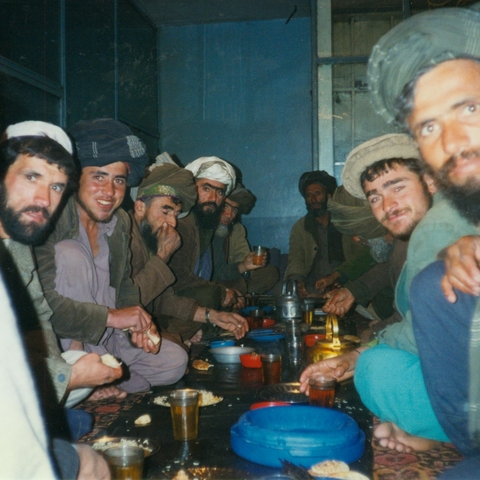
<point>40,129</point>
<point>214,168</point>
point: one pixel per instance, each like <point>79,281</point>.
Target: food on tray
<point>205,399</point>
<point>181,475</point>
<point>335,469</point>
<point>324,469</point>
<point>201,365</point>
<point>110,361</point>
<point>154,338</point>
<point>105,443</point>
<point>143,420</point>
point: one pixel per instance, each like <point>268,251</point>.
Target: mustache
<point>451,162</point>
<point>393,214</point>
<point>36,209</point>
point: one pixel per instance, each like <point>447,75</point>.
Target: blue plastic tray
<point>303,435</point>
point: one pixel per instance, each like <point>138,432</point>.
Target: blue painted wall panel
<point>241,91</point>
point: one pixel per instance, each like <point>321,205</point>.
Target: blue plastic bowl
<point>303,435</point>
<point>222,343</point>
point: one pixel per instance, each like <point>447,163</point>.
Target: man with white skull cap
<point>192,263</point>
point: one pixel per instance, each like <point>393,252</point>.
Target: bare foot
<point>197,337</point>
<point>102,393</point>
<point>392,437</point>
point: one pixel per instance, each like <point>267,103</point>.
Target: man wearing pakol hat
<point>400,196</point>
<point>233,261</point>
<point>425,74</point>
<point>315,244</point>
<point>36,172</point>
<point>85,267</point>
<point>167,193</point>
<point>192,263</point>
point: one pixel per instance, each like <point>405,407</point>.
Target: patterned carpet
<point>388,465</point>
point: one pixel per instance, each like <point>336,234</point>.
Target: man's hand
<point>241,303</point>
<point>302,290</point>
<point>248,264</point>
<point>341,367</point>
<point>230,299</point>
<point>90,371</point>
<point>230,321</point>
<point>462,268</point>
<point>141,340</point>
<point>339,302</point>
<point>168,241</point>
<point>323,283</point>
<point>92,465</point>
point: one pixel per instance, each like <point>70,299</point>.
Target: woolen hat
<point>392,145</point>
<point>321,177</point>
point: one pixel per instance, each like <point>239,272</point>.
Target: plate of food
<point>150,447</point>
<point>283,392</point>
<point>206,399</point>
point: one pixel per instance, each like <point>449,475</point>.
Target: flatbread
<point>154,338</point>
<point>351,475</point>
<point>143,420</point>
<point>328,467</point>
<point>201,365</point>
<point>110,361</point>
<point>206,398</point>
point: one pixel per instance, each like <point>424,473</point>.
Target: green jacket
<point>83,321</point>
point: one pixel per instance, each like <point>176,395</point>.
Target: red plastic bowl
<point>268,322</point>
<point>269,404</point>
<point>251,360</point>
<point>312,338</point>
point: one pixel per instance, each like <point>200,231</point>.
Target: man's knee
<point>426,285</point>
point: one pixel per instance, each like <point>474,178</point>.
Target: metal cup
<point>184,411</point>
<point>125,462</point>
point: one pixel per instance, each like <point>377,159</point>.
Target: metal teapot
<point>289,304</point>
<point>333,345</point>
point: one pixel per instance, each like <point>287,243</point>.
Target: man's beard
<point>380,249</point>
<point>27,233</point>
<point>149,236</point>
<point>223,231</point>
<point>466,197</point>
<point>91,214</point>
<point>318,210</point>
<point>209,219</point>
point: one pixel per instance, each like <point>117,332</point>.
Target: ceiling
<point>188,12</point>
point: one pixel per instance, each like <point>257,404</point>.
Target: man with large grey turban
<point>425,74</point>
<point>192,263</point>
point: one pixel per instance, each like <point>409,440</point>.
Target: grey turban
<point>425,39</point>
<point>214,168</point>
<point>245,198</point>
<point>353,216</point>
<point>104,141</point>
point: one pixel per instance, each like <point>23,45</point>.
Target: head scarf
<point>392,145</point>
<point>214,168</point>
<point>319,176</point>
<point>104,141</point>
<point>245,199</point>
<point>40,129</point>
<point>353,216</point>
<point>425,39</point>
<point>169,180</point>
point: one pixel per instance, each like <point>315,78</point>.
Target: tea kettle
<point>289,304</point>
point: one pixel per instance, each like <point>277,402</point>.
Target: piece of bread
<point>110,361</point>
<point>143,420</point>
<point>327,468</point>
<point>201,365</point>
<point>154,338</point>
<point>351,475</point>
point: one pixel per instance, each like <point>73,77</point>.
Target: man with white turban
<point>192,263</point>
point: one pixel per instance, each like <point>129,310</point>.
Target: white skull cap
<point>40,129</point>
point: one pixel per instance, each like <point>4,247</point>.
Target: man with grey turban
<point>425,74</point>
<point>85,267</point>
<point>233,264</point>
<point>192,263</point>
<point>166,194</point>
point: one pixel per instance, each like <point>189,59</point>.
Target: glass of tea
<point>322,390</point>
<point>259,255</point>
<point>125,462</point>
<point>256,318</point>
<point>184,411</point>
<point>271,368</point>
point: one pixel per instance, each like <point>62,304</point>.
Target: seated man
<point>400,200</point>
<point>85,268</point>
<point>192,263</point>
<point>36,170</point>
<point>436,96</point>
<point>163,195</point>
<point>233,264</point>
